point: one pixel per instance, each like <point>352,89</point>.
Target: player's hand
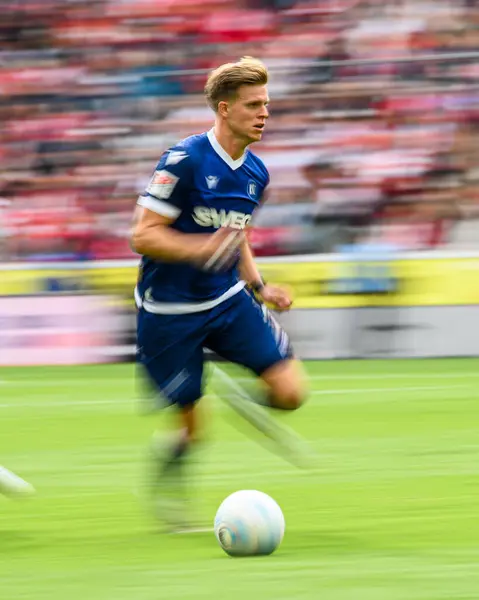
<point>276,297</point>
<point>220,250</point>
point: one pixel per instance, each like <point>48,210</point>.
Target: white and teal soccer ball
<point>249,523</point>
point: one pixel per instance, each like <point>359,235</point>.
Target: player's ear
<point>223,108</point>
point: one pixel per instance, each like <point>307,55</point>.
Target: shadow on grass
<point>12,540</point>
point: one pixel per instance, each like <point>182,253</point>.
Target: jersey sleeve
<point>169,185</point>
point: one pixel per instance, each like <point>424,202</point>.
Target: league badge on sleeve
<point>162,184</point>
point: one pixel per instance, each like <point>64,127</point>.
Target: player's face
<point>248,112</point>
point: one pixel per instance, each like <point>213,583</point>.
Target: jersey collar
<point>221,152</point>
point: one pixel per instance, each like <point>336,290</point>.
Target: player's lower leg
<point>169,481</point>
<point>13,485</point>
<point>283,439</point>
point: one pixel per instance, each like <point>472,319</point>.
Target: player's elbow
<point>135,243</point>
<point>138,240</point>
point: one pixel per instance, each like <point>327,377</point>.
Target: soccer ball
<point>248,523</point>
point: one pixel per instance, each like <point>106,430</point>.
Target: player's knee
<point>291,399</point>
<point>287,385</point>
<point>290,395</point>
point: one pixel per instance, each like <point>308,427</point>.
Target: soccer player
<point>198,285</point>
<point>13,485</point>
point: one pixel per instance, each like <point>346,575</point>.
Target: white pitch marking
<point>453,375</point>
<point>64,403</point>
<point>66,382</point>
<point>339,392</point>
<point>414,388</point>
<point>119,380</point>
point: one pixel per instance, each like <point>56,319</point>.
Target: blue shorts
<point>240,330</point>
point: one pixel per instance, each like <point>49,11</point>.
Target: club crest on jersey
<point>212,181</point>
<point>252,189</point>
<point>162,184</point>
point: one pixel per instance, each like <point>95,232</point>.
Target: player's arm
<point>248,269</point>
<point>274,296</point>
<point>152,236</point>
<point>160,205</point>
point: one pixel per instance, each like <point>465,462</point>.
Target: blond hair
<point>223,82</point>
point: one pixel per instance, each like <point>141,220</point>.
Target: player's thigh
<point>170,349</point>
<point>249,335</point>
<point>245,333</point>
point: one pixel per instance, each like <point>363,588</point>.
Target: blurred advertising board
<point>371,306</point>
<point>317,282</point>
<point>59,330</point>
<point>384,332</point>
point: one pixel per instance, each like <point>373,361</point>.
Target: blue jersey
<point>200,186</point>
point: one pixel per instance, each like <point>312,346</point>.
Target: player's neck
<point>229,142</point>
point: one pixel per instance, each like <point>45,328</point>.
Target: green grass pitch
<point>390,512</point>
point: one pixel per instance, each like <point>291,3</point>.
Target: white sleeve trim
<point>159,206</point>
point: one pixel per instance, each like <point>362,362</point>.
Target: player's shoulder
<point>259,167</point>
<point>185,151</point>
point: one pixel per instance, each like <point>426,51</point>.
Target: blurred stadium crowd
<point>373,137</point>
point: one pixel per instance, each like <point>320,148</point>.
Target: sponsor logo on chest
<point>205,216</point>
